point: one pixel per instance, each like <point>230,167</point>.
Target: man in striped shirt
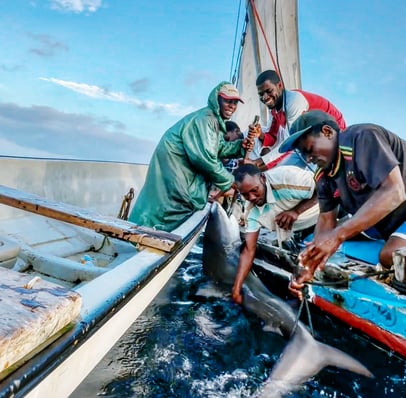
<point>282,199</point>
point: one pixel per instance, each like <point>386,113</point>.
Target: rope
<point>275,65</point>
<point>297,317</point>
<point>309,318</point>
<point>235,39</point>
<point>233,75</point>
<point>306,296</point>
<point>305,303</point>
<point>275,35</point>
<point>242,42</point>
<point>105,239</point>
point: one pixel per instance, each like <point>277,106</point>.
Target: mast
<point>270,41</point>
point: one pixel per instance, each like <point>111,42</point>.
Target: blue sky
<point>103,79</point>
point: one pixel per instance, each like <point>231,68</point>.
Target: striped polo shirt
<point>286,187</point>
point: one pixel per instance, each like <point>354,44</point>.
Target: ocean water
<point>188,345</point>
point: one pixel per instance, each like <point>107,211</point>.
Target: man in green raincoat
<point>187,161</point>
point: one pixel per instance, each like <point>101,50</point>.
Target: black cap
<point>302,124</point>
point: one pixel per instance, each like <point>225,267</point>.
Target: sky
<point>104,79</point>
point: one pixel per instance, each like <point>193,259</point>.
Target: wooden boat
<point>348,289</point>
<point>74,276</point>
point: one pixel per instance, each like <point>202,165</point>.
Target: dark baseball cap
<point>303,124</point>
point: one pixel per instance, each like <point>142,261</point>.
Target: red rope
<point>254,9</point>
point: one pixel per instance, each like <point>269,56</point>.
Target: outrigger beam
<point>110,226</point>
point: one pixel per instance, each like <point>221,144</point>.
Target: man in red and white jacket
<point>285,106</point>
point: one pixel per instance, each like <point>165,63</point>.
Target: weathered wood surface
<point>110,226</point>
<point>31,315</point>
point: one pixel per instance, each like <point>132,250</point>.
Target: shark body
<point>303,357</point>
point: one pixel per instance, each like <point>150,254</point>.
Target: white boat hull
<point>114,292</point>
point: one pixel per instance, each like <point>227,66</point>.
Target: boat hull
<point>366,303</point>
<point>115,287</point>
<point>379,314</point>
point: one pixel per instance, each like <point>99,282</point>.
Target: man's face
<point>232,135</point>
<point>320,150</point>
<point>227,107</point>
<point>270,94</point>
<point>253,189</point>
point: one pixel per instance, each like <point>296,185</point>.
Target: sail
<point>269,41</point>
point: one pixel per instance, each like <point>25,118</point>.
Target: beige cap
<point>229,91</point>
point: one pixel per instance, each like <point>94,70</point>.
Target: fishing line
<point>305,303</point>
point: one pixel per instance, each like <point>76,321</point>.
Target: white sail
<point>270,23</point>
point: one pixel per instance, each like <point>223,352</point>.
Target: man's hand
<point>295,288</point>
<point>320,250</point>
<point>248,144</point>
<point>236,295</point>
<point>297,283</point>
<point>314,256</point>
<point>254,131</point>
<point>249,161</point>
<point>286,219</point>
<point>216,195</point>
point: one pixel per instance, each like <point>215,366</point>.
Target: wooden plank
<point>110,226</point>
<point>31,313</point>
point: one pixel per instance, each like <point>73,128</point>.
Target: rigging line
<point>237,65</point>
<point>242,42</point>
<point>276,48</point>
<point>235,38</point>
<point>280,74</point>
<point>254,8</point>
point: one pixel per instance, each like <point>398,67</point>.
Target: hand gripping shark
<point>303,357</point>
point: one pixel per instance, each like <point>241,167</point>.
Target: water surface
<point>187,345</point>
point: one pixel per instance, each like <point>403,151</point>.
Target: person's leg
<point>395,241</point>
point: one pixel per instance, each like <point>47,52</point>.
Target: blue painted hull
<point>366,303</point>
<point>369,306</point>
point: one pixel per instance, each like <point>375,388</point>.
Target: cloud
<point>10,68</point>
<point>10,148</point>
<point>76,6</point>
<point>139,85</point>
<point>48,45</point>
<point>196,76</point>
<point>105,94</point>
<point>45,131</point>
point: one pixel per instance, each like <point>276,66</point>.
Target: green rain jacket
<point>184,165</point>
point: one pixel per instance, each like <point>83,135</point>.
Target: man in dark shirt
<point>362,169</point>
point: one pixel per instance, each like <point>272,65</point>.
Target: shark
<point>304,356</point>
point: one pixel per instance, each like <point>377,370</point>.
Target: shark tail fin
<point>338,358</point>
<point>304,357</point>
